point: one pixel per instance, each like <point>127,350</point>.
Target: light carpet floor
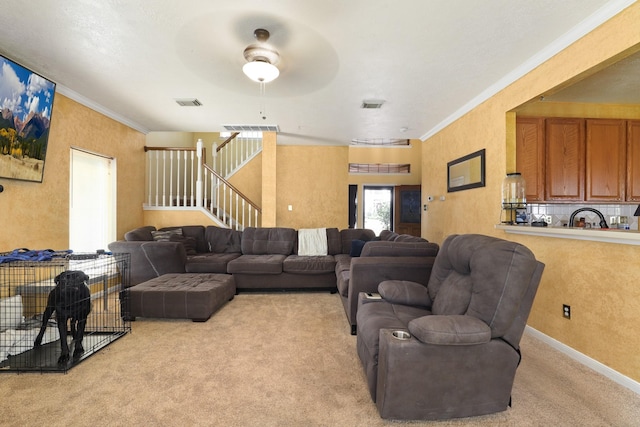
<point>282,359</point>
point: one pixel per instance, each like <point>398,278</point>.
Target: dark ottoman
<point>194,296</point>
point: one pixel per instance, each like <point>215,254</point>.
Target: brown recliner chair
<point>460,348</point>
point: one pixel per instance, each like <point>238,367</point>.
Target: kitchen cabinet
<point>579,160</point>
<point>530,156</point>
<point>605,178</point>
<point>633,161</point>
<point>564,159</point>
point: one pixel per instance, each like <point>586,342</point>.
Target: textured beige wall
<point>171,139</point>
<point>269,180</point>
<point>314,181</point>
<point>170,218</point>
<point>37,215</point>
<point>568,109</point>
<point>248,180</point>
<point>598,280</point>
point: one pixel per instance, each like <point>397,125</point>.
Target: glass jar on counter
<point>514,191</point>
<point>514,199</point>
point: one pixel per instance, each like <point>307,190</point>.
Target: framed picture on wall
<point>26,102</point>
<point>466,172</point>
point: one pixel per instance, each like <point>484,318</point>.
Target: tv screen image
<point>26,101</point>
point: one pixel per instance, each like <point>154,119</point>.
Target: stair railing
<point>235,151</point>
<point>179,178</point>
<point>227,203</point>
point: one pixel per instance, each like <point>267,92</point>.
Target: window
<point>380,168</point>
<point>378,208</point>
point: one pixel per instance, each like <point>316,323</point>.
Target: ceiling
<point>429,60</point>
<point>619,83</point>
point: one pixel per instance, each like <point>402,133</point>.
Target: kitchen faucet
<point>603,222</point>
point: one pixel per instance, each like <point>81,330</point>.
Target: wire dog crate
<point>24,290</point>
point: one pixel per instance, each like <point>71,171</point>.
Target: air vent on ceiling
<point>188,102</point>
<point>252,128</point>
<point>372,103</point>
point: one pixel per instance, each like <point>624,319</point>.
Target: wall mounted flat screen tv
<point>26,101</point>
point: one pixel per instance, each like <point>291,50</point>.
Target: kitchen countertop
<point>612,235</point>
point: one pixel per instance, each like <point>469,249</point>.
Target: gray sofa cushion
<point>450,330</point>
<point>343,262</point>
<point>388,236</point>
<point>343,282</point>
<point>194,231</point>
<point>268,241</point>
<point>223,240</point>
<point>309,264</point>
<point>256,264</point>
<point>334,244</point>
<point>399,248</point>
<point>408,238</point>
<point>190,244</point>
<point>209,262</point>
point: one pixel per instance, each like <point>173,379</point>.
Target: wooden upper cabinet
<point>530,156</point>
<point>606,160</point>
<point>633,160</point>
<point>564,159</point>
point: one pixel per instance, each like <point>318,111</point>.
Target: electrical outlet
<point>547,219</point>
<point>566,311</point>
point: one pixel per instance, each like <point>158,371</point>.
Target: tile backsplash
<point>560,214</point>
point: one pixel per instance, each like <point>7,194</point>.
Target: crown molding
<point>63,90</point>
<point>596,19</point>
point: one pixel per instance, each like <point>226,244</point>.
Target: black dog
<point>71,300</point>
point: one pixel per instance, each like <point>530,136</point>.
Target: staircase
<point>181,179</point>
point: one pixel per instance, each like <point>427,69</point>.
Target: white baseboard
<point>586,360</point>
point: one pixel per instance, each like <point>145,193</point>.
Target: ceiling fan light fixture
<point>260,71</point>
<point>261,59</point>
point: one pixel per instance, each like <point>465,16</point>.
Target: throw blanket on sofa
<point>312,241</point>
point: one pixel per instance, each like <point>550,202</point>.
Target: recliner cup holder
<point>401,335</point>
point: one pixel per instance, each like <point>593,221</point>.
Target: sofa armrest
<point>450,330</point>
<point>405,293</point>
<point>151,259</point>
<point>366,273</point>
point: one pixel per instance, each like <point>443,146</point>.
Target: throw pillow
<point>356,247</point>
<point>165,236</point>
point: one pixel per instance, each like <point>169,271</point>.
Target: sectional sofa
<point>347,261</point>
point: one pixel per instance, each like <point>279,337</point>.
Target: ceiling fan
<point>261,59</point>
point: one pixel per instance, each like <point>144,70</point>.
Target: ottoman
<point>194,296</point>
